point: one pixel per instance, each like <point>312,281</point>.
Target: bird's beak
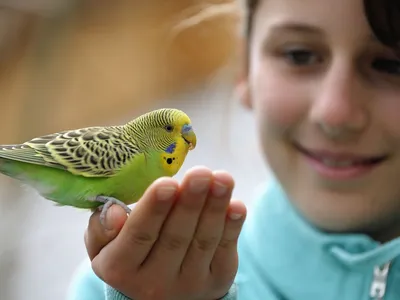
<point>189,136</point>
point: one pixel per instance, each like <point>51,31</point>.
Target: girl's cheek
<point>279,102</point>
<point>387,114</point>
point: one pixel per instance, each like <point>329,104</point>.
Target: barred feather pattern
<point>150,129</point>
<point>91,152</point>
<point>97,151</point>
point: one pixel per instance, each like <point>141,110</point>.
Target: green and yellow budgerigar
<point>96,167</point>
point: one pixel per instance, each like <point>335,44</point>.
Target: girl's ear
<point>242,85</point>
<point>243,93</point>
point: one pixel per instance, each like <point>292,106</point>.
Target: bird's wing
<point>89,152</point>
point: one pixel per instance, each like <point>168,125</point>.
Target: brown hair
<point>383,17</point>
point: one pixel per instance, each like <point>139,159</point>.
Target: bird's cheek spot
<point>169,160</point>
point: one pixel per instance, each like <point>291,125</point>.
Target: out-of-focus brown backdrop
<point>86,62</point>
<point>73,63</point>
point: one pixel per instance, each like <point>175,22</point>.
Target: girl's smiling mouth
<point>340,165</point>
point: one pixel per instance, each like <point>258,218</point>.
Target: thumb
<point>98,236</point>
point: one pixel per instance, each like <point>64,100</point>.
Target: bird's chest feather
<point>136,176</point>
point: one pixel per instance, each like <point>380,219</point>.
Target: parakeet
<point>96,167</point>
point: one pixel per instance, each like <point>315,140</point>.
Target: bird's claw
<point>108,202</point>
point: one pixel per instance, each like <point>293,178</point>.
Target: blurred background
<point>67,64</point>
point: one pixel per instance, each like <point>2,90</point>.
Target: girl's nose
<point>341,101</point>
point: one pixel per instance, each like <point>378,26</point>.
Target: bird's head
<point>166,129</point>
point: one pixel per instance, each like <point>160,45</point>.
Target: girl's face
<point>326,95</point>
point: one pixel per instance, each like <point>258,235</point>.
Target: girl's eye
<point>389,66</point>
<point>169,128</point>
<point>301,57</point>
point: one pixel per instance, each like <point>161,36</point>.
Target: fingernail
<point>235,217</point>
<point>109,222</point>
<point>165,193</point>
<point>219,189</point>
<point>199,185</point>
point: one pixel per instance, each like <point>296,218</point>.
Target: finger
<point>210,227</point>
<point>97,235</point>
<point>177,233</point>
<point>144,223</point>
<point>225,260</point>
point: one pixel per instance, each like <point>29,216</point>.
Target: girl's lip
<point>340,165</point>
<point>339,156</point>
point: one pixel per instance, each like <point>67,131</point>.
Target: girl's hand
<point>179,242</point>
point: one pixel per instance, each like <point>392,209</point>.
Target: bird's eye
<point>169,128</point>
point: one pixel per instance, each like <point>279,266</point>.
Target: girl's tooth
<point>332,163</point>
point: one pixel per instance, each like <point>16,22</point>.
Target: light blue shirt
<point>282,257</point>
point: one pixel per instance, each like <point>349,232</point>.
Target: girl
<point>323,80</point>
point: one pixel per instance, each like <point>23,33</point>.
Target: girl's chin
<point>333,217</point>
